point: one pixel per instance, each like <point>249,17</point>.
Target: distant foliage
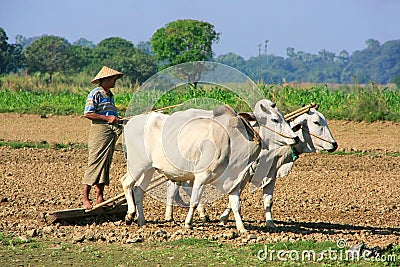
<point>376,63</point>
<point>359,103</point>
<point>369,103</point>
<point>396,80</point>
<point>188,40</point>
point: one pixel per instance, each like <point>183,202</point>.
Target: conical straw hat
<point>106,72</point>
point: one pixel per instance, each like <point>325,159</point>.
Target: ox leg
<point>194,202</point>
<point>201,209</point>
<point>187,187</point>
<point>223,220</point>
<point>234,203</point>
<point>139,194</point>
<point>268,192</point>
<point>127,182</point>
<point>172,189</point>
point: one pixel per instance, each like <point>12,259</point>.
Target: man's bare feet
<point>101,200</point>
<point>87,204</point>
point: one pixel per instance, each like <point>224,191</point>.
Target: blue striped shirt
<point>98,101</point>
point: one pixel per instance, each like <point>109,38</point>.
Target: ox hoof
<point>169,219</point>
<point>242,231</point>
<point>270,224</point>
<point>129,218</point>
<point>188,226</point>
<point>141,222</point>
<point>223,221</point>
<point>205,219</point>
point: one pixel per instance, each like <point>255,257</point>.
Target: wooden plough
<point>119,208</point>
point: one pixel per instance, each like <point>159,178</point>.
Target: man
<point>104,132</point>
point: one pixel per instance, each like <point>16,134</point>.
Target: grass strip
<point>17,145</point>
<point>15,251</point>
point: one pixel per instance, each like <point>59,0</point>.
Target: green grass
<point>195,252</point>
<point>368,103</point>
<point>40,145</point>
<point>30,94</point>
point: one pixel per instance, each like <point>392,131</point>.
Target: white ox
<point>183,146</point>
<point>314,134</point>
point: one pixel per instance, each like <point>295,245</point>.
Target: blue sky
<point>306,25</point>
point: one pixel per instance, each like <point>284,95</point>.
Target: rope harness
<point>316,136</point>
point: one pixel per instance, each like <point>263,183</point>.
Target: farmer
<point>104,132</point>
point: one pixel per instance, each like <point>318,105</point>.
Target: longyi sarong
<point>102,139</point>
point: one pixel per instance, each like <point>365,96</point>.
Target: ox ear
<point>297,123</point>
<point>265,109</point>
<point>312,111</point>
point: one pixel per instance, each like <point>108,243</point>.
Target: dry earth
<point>325,197</point>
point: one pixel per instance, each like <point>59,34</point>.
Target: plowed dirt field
<point>353,196</point>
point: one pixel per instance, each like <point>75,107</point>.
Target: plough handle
<point>106,202</point>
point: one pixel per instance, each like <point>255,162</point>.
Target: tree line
<point>191,40</point>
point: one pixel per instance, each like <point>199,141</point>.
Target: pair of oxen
<point>220,148</point>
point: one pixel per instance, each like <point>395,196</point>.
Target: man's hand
<point>108,119</point>
<point>114,120</point>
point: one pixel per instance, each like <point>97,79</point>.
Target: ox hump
<point>224,109</point>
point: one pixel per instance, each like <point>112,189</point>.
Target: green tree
<point>77,58</point>
<point>371,43</point>
<point>11,58</point>
<point>3,50</point>
<point>386,65</point>
<point>122,55</point>
<point>112,48</point>
<point>233,60</point>
<point>144,66</point>
<point>396,80</point>
<point>16,60</point>
<point>145,46</point>
<point>343,57</point>
<point>46,55</point>
<point>84,42</point>
<point>290,52</point>
<point>23,41</point>
<point>184,41</point>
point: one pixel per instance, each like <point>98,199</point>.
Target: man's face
<point>109,82</point>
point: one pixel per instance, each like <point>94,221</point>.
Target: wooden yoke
<point>292,115</point>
